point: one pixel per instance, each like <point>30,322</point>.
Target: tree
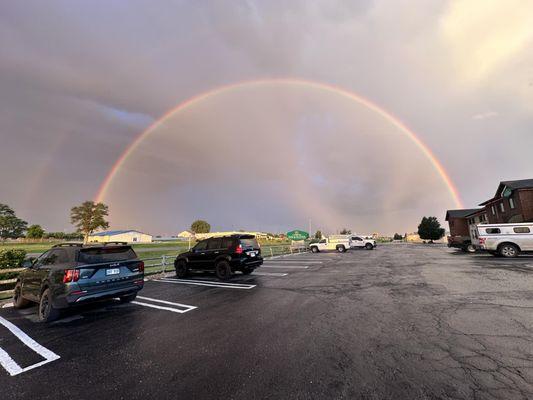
<point>346,231</point>
<point>200,226</point>
<point>318,235</point>
<point>397,236</point>
<point>88,217</point>
<point>35,232</point>
<point>429,229</point>
<point>11,227</point>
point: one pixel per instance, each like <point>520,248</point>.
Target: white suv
<point>362,242</point>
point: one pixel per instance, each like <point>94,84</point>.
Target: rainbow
<point>402,127</point>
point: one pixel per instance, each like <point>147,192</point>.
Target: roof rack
<point>73,244</point>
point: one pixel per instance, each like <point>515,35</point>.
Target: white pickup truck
<point>340,243</point>
<point>506,240</point>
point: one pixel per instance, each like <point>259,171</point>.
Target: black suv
<point>71,274</point>
<point>223,255</point>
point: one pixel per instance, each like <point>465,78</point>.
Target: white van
<point>506,240</point>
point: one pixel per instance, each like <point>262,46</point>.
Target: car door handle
<point>216,252</point>
<point>203,254</point>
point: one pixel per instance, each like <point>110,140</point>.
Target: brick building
<point>512,203</point>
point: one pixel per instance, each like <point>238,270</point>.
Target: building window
<point>502,208</point>
<point>511,202</point>
<point>493,210</point>
<point>521,229</point>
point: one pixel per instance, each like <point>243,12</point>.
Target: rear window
<point>521,229</point>
<point>249,243</point>
<point>103,255</point>
<point>493,231</point>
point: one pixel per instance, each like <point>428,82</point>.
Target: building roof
<point>113,233</point>
<point>513,185</point>
<point>461,213</point>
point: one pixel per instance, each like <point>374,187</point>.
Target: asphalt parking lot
<point>399,322</point>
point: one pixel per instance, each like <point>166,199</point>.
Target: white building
<point>129,236</point>
<point>186,234</point>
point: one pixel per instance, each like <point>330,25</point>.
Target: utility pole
<point>310,227</point>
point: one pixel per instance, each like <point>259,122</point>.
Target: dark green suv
<point>72,274</point>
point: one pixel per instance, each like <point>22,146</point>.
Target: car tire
<point>341,249</point>
<point>19,301</point>
<point>508,250</point>
<point>470,248</point>
<point>129,298</point>
<point>369,246</point>
<point>247,271</point>
<point>181,269</point>
<point>46,311</point>
<point>223,270</point>
<point>314,249</point>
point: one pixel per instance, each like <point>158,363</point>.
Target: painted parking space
<point>8,362</point>
<point>208,283</point>
<point>261,273</point>
<point>163,305</point>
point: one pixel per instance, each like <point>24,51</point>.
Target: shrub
<point>11,258</point>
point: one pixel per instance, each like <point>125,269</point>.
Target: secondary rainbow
<point>393,120</point>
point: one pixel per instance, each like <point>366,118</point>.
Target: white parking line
<point>292,262</point>
<point>207,283</point>
<point>285,266</point>
<point>269,273</point>
<point>10,365</point>
<point>186,308</point>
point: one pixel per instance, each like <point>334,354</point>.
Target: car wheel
<point>181,269</point>
<point>369,246</point>
<point>129,298</point>
<point>18,300</point>
<point>470,248</point>
<point>47,312</point>
<point>341,249</point>
<point>223,270</point>
<point>247,271</point>
<point>314,249</point>
<point>508,250</point>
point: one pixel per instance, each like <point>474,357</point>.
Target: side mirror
<point>28,263</point>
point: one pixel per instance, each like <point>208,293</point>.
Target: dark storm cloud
<point>79,80</point>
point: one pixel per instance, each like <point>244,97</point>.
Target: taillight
<point>239,249</point>
<point>141,266</point>
<point>71,275</point>
<point>482,241</point>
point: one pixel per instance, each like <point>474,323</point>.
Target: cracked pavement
<point>400,322</point>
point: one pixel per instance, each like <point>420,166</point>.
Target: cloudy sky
<point>80,80</point>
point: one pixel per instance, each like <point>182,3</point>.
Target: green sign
<point>297,235</point>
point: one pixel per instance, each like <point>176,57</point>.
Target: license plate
<point>112,271</point>
<point>252,254</point>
